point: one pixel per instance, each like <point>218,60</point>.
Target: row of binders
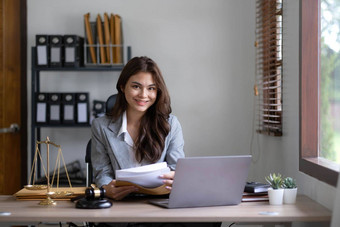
<point>59,50</point>
<point>104,40</point>
<point>62,108</point>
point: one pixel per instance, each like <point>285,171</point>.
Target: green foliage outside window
<point>330,81</point>
<point>329,61</point>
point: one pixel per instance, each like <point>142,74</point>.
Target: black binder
<point>82,108</point>
<point>42,50</point>
<point>98,108</point>
<point>68,108</point>
<point>41,108</point>
<point>56,50</point>
<point>73,51</point>
<point>54,108</point>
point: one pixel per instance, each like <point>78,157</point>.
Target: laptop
<point>208,181</point>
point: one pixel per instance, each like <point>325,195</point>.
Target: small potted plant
<point>290,190</point>
<point>275,193</point>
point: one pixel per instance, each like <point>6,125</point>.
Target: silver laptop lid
<point>209,181</point>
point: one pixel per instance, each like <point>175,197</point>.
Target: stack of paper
<point>145,176</point>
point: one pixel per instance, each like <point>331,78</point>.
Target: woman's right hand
<point>118,193</point>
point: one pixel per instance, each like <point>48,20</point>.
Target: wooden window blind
<point>268,87</point>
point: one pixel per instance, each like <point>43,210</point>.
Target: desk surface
<point>139,210</point>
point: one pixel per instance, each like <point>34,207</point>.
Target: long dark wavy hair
<point>154,126</point>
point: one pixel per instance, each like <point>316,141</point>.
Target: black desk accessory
<point>256,187</point>
<point>93,199</point>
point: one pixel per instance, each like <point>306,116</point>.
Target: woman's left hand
<point>168,179</point>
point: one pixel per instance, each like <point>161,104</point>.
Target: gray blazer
<point>109,152</point>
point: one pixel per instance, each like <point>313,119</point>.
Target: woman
<point>139,130</point>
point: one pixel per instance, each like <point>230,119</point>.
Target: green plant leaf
<point>274,180</point>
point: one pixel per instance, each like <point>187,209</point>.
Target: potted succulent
<point>275,193</point>
<point>290,190</point>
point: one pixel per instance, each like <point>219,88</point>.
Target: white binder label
<point>55,54</point>
<point>70,54</point>
<point>82,112</point>
<point>55,112</point>
<point>68,112</point>
<point>42,55</point>
<point>41,112</point>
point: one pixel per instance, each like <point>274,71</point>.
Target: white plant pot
<point>289,195</point>
<point>275,196</point>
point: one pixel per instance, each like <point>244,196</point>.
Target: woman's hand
<point>118,193</point>
<point>168,179</point>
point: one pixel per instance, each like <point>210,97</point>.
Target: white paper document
<point>146,176</point>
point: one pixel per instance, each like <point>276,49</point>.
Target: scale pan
<point>35,187</point>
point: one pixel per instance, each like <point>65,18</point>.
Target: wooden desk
<point>305,210</point>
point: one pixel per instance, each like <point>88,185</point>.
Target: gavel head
<point>91,193</point>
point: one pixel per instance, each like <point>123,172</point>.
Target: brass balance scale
<point>50,194</point>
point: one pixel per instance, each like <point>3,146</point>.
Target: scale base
<point>83,203</point>
<point>47,202</point>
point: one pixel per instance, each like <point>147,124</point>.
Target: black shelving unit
<point>35,88</point>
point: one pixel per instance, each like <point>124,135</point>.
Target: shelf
<point>35,88</point>
<point>83,68</point>
<point>62,126</point>
<point>90,67</point>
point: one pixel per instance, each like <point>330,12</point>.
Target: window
<point>269,66</point>
<point>311,102</point>
<point>330,81</point>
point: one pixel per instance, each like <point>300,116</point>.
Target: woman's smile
<point>141,102</point>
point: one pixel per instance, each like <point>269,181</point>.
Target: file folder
<point>90,38</point>
<point>82,108</point>
<point>112,37</point>
<point>118,39</point>
<point>41,108</point>
<point>56,50</point>
<point>68,108</point>
<point>42,50</point>
<point>73,50</point>
<point>107,37</point>
<point>101,40</point>
<point>54,108</point>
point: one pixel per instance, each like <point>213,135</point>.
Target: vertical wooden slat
<point>2,138</point>
<point>309,77</point>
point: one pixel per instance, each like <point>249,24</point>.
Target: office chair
<point>110,102</point>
